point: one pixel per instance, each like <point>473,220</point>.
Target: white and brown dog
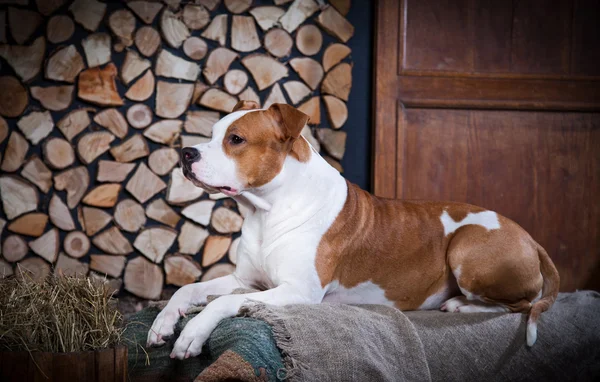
<point>313,237</point>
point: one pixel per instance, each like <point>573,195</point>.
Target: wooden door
<point>496,103</point>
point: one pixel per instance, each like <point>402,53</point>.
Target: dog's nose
<point>190,155</point>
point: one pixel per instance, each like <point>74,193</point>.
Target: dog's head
<point>248,148</point>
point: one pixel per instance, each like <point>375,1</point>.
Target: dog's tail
<point>549,293</point>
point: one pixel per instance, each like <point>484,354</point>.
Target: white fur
<point>531,333</point>
<point>460,304</point>
<point>486,219</point>
<point>435,300</point>
<point>364,293</point>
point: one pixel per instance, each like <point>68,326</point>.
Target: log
<point>76,244</point>
<point>162,161</point>
<point>245,210</point>
<point>275,96</point>
<point>75,181</point>
<point>164,132</point>
<point>264,69</point>
<point>335,24</point>
<point>278,42</point>
<point>95,220</point>
<point>92,145</point>
<point>334,54</point>
<point>47,7</point>
<point>199,89</point>
<point>97,85</point>
<point>60,28</point>
<point>333,141</point>
<point>201,122</point>
<point>31,224</point>
<point>309,40</point>
<point>309,70</point>
<point>343,6</point>
<point>80,217</point>
<point>58,153</point>
<point>172,99</point>
<point>139,116</point>
<point>3,130</point>
<point>267,16</point>
<point>191,238</point>
<point>74,123</point>
<point>142,89</point>
<point>13,98</point>
<point>22,23</point>
<point>14,248</point>
<point>133,66</point>
<point>296,91</point>
<point>211,5</point>
<point>181,190</point>
<point>195,48</point>
<point>147,40</point>
<point>338,81</point>
<point>129,215</point>
<point>336,110</point>
<point>173,4</point>
<point>130,150</point>
<point>26,60</point>
<point>122,24</point>
<point>32,268</point>
<point>217,29</point>
<point>225,221</point>
<point>37,173</point>
<point>59,214</point>
<point>173,29</point>
<point>195,17</point>
<point>97,49</point>
<point>109,171</point>
<point>36,126</point>
<point>64,65</point>
<point>244,37</point>
<point>145,10</point>
<point>238,6</point>
<point>249,95</point>
<point>113,120</point>
<point>218,100</point>
<point>111,287</point>
<point>232,253</point>
<point>218,63</point>
<point>55,98</point>
<point>333,163</point>
<point>143,278</point>
<point>88,13</point>
<point>104,196</point>
<point>216,271</point>
<point>16,149</point>
<point>312,108</point>
<point>200,212</point>
<point>297,13</point>
<point>193,140</point>
<point>171,66</point>
<point>154,242</point>
<point>5,269</point>
<point>66,266</point>
<point>46,246</point>
<point>18,196</point>
<point>181,270</point>
<point>112,241</point>
<point>107,264</point>
<point>214,249</point>
<point>235,81</point>
<point>143,185</point>
<point>161,212</point>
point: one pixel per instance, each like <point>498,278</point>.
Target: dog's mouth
<point>207,187</point>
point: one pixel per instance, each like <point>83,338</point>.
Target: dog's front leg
<point>197,331</point>
<point>186,296</point>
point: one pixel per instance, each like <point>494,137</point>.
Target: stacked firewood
<point>97,98</point>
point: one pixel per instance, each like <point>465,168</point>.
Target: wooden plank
<point>585,54</point>
<point>121,364</point>
<point>79,366</point>
<point>40,367</point>
<point>104,362</point>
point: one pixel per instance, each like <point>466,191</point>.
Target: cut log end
<point>139,116</point>
<point>76,244</point>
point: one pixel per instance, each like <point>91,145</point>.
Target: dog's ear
<point>245,105</point>
<point>290,120</point>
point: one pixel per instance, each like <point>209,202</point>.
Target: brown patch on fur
<point>270,135</point>
<point>401,247</point>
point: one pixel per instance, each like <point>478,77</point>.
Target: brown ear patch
<point>245,105</point>
<point>290,119</point>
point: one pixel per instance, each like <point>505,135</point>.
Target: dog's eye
<point>236,139</point>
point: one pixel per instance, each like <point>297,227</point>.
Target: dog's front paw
<point>163,326</point>
<point>191,339</point>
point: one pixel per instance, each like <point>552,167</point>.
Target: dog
<point>312,237</point>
